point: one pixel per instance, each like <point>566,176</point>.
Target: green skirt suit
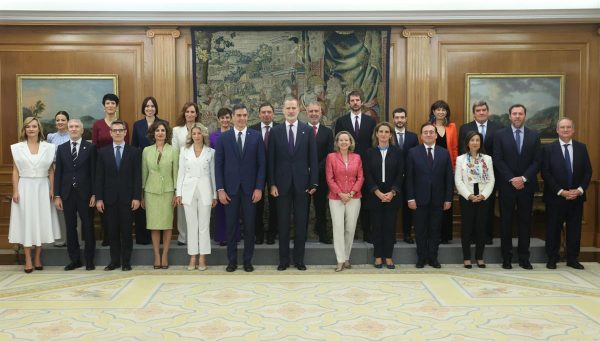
<point>159,176</point>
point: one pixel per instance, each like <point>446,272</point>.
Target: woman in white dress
<point>33,219</point>
<point>187,118</point>
<point>196,190</point>
<point>61,136</point>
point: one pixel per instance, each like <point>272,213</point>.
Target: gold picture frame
<point>541,93</point>
<point>80,95</point>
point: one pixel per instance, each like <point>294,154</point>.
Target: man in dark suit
<point>265,114</point>
<point>324,140</point>
<point>429,190</point>
<point>293,176</point>
<point>487,129</point>
<point>567,172</point>
<point>240,170</point>
<point>73,185</point>
<point>118,191</point>
<point>361,127</point>
<point>517,156</point>
<point>405,140</point>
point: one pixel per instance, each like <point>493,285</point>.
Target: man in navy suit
<point>567,172</point>
<point>361,127</point>
<point>265,114</point>
<point>324,140</point>
<point>73,182</point>
<point>429,185</point>
<point>240,170</point>
<point>517,156</point>
<point>118,189</point>
<point>405,140</point>
<point>487,129</point>
<point>293,176</point>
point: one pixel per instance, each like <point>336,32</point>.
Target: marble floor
<point>362,303</point>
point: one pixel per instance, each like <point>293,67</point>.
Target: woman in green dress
<point>160,164</point>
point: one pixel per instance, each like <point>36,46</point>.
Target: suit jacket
<point>196,172</point>
<point>324,140</point>
<point>344,179</point>
<point>410,140</point>
<point>118,186</point>
<point>159,177</point>
<point>299,168</point>
<point>364,139</point>
<point>429,185</point>
<point>394,172</point>
<point>554,170</point>
<point>490,130</point>
<point>80,172</point>
<point>509,163</point>
<point>462,177</point>
<point>235,172</point>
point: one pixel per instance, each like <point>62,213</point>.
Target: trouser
<point>428,220</point>
<point>523,200</point>
<point>119,218</point>
<point>243,202</point>
<point>383,220</point>
<point>474,222</point>
<point>557,213</point>
<point>343,221</point>
<point>181,225</point>
<point>197,217</point>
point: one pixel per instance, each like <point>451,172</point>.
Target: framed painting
<point>541,94</point>
<point>79,95</point>
<point>312,64</point>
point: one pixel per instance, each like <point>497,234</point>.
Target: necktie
<point>74,151</point>
<point>518,140</point>
<point>400,140</point>
<point>118,157</point>
<point>569,166</point>
<point>482,130</point>
<point>356,126</point>
<point>266,139</point>
<point>430,157</point>
<point>239,142</point>
<point>315,130</point>
<point>291,140</point>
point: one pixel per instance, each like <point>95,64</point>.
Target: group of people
<point>359,169</point>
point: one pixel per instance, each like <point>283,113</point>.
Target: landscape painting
<point>541,94</point>
<point>79,95</point>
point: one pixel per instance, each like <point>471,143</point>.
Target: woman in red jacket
<point>344,172</point>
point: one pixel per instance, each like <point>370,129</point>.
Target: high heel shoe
<point>28,271</point>
<point>340,267</point>
<point>39,268</point>
<point>156,267</point>
<point>347,265</point>
<point>191,267</point>
<point>481,265</point>
<point>468,266</point>
<point>202,267</point>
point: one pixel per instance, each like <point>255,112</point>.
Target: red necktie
<point>315,130</point>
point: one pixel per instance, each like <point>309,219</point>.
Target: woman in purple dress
<point>220,235</point>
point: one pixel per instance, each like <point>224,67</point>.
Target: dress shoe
<point>105,243</point>
<point>202,267</point>
<point>157,267</point>
<point>339,267</point>
<point>142,242</point>
<point>180,243</point>
<point>575,265</point>
<point>164,267</point>
<point>378,265</point>
<point>259,241</point>
<point>60,244</point>
<point>231,267</point>
<point>551,265</point>
<point>73,266</point>
<point>347,265</point>
<point>481,264</point>
<point>282,267</point>
<point>489,241</point>
<point>126,267</point>
<point>90,267</point>
<point>390,266</point>
<point>39,268</point>
<point>270,241</point>
<point>111,267</point>
<point>248,267</point>
<point>409,240</point>
<point>28,271</point>
<point>506,265</point>
<point>222,243</point>
<point>435,264</point>
<point>468,266</point>
<point>420,264</point>
<point>526,265</point>
<point>301,267</point>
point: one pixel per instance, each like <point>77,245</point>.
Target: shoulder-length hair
<point>375,140</point>
<point>145,101</point>
<point>155,125</point>
<point>23,136</point>
<point>180,122</point>
<point>440,105</point>
<point>352,142</point>
<point>468,137</point>
<point>203,131</point>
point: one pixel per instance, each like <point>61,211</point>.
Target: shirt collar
<point>426,146</point>
<point>76,141</point>
<point>522,129</point>
<point>570,142</point>
<point>400,131</point>
<point>122,145</point>
<point>480,124</point>
<point>243,131</point>
<point>263,125</point>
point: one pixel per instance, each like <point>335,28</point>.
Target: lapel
<point>513,143</point>
<point>233,140</point>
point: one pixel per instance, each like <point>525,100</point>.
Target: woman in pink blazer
<point>344,173</point>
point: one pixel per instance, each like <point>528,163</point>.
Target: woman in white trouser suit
<point>196,191</point>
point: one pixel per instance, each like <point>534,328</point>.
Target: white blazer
<point>462,176</point>
<point>196,172</point>
<point>180,134</point>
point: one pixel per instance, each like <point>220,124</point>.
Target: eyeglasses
<point>118,130</point>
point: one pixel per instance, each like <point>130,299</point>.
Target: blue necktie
<point>569,166</point>
<point>482,130</point>
<point>291,140</point>
<point>118,157</point>
<point>518,140</point>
